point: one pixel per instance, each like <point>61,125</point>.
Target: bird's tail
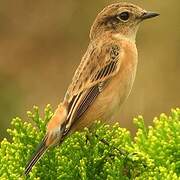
<point>41,149</point>
<point>56,130</point>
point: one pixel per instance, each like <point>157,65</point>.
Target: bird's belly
<point>115,94</point>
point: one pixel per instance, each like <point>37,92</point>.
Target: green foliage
<point>102,152</point>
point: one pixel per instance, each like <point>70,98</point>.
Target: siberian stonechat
<point>104,77</point>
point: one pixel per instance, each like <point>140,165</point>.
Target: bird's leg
<point>128,157</point>
<point>104,141</point>
<point>88,138</point>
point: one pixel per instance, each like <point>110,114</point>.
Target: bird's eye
<point>124,16</point>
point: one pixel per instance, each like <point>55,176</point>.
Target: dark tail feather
<point>37,155</point>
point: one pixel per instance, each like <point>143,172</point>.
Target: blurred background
<point>42,42</point>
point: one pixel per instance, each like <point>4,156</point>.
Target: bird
<point>103,79</point>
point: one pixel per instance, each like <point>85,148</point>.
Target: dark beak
<point>148,15</point>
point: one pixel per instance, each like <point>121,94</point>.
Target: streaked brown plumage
<point>104,77</point>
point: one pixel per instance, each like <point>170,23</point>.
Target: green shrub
<point>103,152</point>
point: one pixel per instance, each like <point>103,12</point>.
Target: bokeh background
<point>42,42</point>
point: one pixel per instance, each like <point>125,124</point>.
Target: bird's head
<point>121,19</point>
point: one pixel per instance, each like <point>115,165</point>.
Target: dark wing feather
<point>98,65</point>
<point>87,101</point>
<point>88,84</point>
<point>95,90</point>
<point>87,98</point>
